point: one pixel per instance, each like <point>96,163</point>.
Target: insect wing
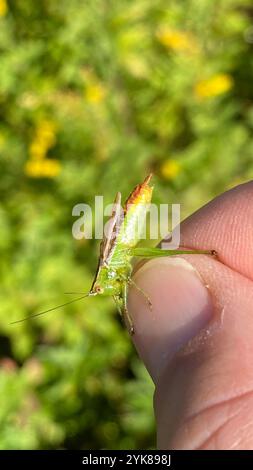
<point>112,229</point>
<point>108,243</point>
<point>135,210</point>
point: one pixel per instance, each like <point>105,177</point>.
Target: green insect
<point>118,247</point>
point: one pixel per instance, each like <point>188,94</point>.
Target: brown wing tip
<point>140,190</point>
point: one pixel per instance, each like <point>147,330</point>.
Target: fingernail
<point>181,307</point>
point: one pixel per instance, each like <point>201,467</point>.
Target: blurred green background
<point>95,94</point>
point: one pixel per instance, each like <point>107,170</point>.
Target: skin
<point>198,343</point>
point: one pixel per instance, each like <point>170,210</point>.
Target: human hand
<point>197,342</point>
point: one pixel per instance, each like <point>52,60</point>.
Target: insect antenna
<point>50,309</point>
<point>72,293</point>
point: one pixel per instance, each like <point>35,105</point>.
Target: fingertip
<point>181,306</point>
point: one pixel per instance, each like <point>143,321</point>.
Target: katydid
<point>118,247</point>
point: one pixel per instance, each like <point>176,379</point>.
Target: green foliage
<point>94,95</point>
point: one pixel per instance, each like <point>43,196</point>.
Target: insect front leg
<point>127,279</point>
<point>131,281</point>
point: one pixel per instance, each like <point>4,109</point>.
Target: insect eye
<point>99,290</point>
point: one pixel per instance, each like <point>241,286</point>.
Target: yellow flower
<point>170,169</point>
<point>37,150</point>
<point>3,7</point>
<point>46,132</point>
<point>47,168</point>
<point>94,93</point>
<point>214,86</point>
<point>43,140</point>
<point>177,40</point>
